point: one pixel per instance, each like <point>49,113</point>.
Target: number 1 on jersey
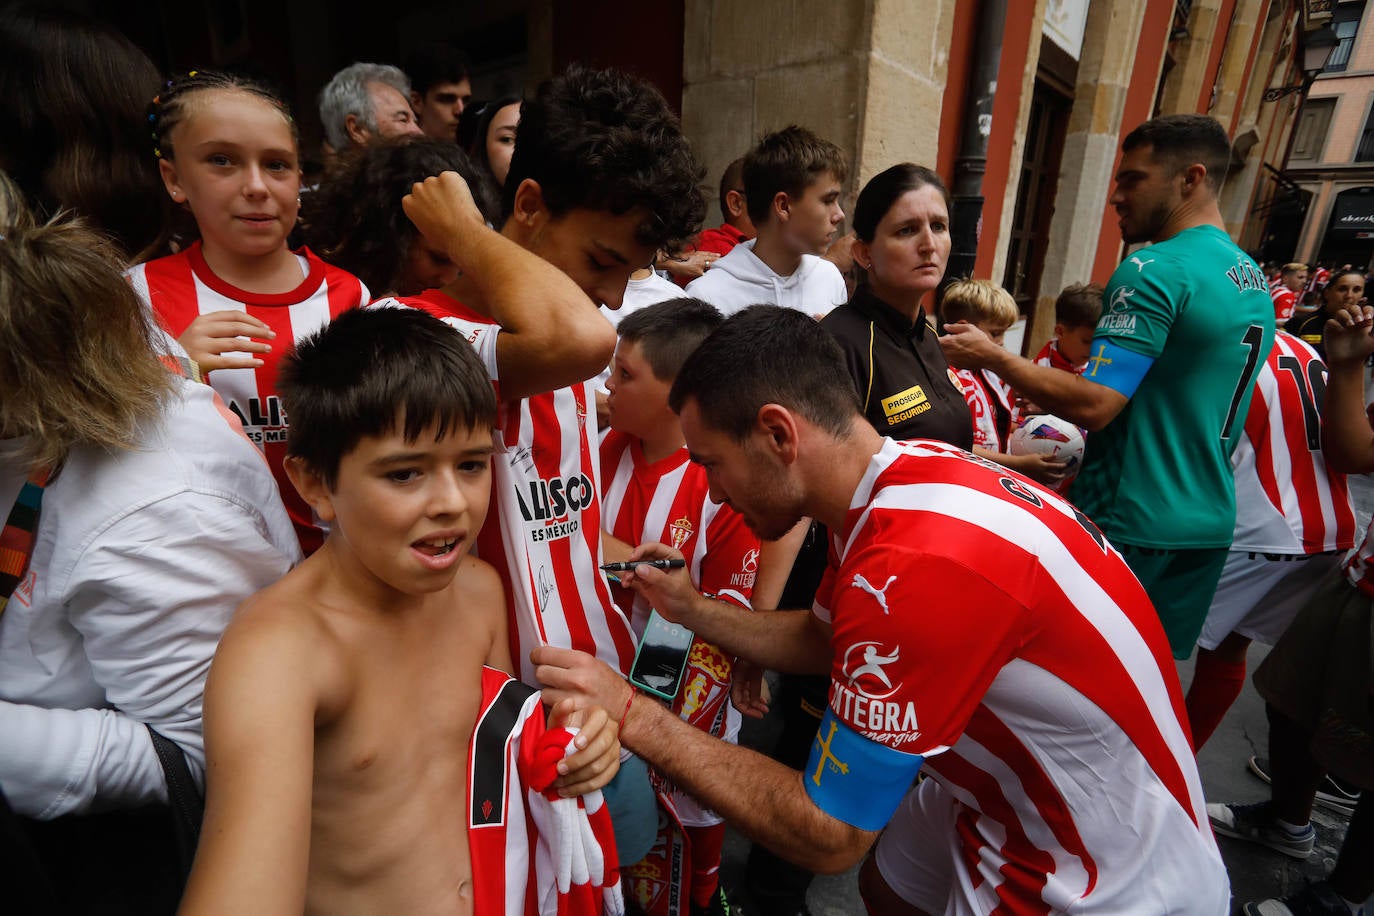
<point>1254,336</point>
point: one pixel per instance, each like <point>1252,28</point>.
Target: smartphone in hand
<point>661,657</point>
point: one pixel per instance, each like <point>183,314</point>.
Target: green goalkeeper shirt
<point>1193,314</point>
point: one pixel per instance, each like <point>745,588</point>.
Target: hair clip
<point>157,99</point>
<point>192,74</point>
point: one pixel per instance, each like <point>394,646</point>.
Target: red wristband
<point>628,702</point>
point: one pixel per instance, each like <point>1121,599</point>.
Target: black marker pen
<point>656,564</point>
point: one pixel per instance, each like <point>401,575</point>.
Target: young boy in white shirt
<point>792,182</point>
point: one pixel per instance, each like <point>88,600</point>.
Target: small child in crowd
<point>653,491</point>
<point>992,310</point>
<point>1076,312</point>
<point>350,704</point>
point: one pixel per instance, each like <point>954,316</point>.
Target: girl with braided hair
<point>238,296</point>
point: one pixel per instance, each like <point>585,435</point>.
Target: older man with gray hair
<point>365,101</point>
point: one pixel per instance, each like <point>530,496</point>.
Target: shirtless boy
<point>342,701</point>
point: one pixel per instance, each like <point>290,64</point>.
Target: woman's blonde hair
<point>976,301</point>
<point>77,364</point>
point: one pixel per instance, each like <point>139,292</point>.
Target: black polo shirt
<point>904,383</point>
<point>1309,327</point>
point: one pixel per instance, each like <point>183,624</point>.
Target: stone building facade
<point>888,80</point>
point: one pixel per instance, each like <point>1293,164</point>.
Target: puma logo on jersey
<point>1139,264</point>
<point>879,594</point>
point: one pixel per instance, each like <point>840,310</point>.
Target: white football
<point>1049,435</point>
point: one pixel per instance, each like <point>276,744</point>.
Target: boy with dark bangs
<point>342,698</point>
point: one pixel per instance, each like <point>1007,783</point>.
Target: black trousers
<point>117,863</point>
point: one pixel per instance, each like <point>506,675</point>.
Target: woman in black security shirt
<point>901,222</point>
<point>906,389</point>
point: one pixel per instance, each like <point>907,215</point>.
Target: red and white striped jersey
<point>1317,282</point>
<point>500,830</point>
<point>982,622</point>
<point>1050,355</point>
<point>1287,500</point>
<point>514,835</point>
<point>989,403</point>
<point>1285,301</point>
<point>181,287</point>
<point>543,534</point>
<point>669,502</point>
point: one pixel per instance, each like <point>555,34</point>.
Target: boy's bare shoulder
<point>285,610</point>
<point>282,627</point>
<point>481,599</point>
<point>479,583</point>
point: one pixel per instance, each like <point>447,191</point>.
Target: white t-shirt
<point>140,558</point>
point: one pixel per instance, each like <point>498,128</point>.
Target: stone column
<point>1085,172</point>
<point>1240,38</point>
<point>755,67</point>
<point>906,66</point>
<point>1183,85</point>
<point>1251,137</point>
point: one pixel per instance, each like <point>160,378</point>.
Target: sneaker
<point>1317,899</point>
<point>1256,824</point>
<point>1332,793</point>
<point>720,905</point>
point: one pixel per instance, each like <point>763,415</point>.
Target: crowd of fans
<point>343,518</point>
